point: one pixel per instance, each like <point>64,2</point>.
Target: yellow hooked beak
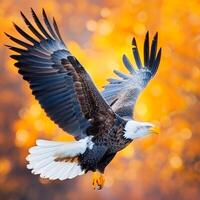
<point>154,129</point>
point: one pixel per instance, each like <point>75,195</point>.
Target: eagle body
<point>101,123</point>
<point>105,147</point>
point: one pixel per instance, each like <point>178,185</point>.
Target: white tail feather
<point>46,158</point>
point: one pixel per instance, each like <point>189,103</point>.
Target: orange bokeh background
<point>166,166</point>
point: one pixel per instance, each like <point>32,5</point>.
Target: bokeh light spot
<point>5,166</point>
<point>91,25</point>
<point>22,136</point>
<point>176,162</point>
<point>186,133</point>
<point>105,12</point>
<point>105,27</point>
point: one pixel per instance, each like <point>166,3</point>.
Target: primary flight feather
<point>101,123</point>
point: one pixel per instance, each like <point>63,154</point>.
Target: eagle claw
<point>98,180</point>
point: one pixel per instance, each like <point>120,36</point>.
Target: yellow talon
<point>98,180</point>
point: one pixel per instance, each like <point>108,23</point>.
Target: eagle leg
<point>98,180</point>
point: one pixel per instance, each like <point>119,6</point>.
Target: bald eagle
<point>101,123</point>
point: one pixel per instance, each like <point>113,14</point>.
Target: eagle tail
<point>57,160</point>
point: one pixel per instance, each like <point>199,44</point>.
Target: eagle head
<point>134,129</point>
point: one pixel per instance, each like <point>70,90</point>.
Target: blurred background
<point>98,32</point>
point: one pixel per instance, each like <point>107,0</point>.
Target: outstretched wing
<point>121,94</point>
<point>59,82</point>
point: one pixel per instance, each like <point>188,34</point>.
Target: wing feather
<point>153,49</point>
<point>136,54</point>
<point>46,20</point>
<point>24,34</point>
<point>127,64</point>
<point>122,93</point>
<point>146,50</point>
<point>39,25</point>
<point>31,27</point>
<point>59,82</point>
